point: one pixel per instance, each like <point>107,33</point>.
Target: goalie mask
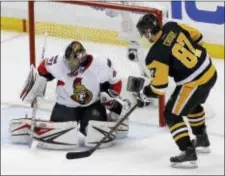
<point>75,55</point>
<point>148,25</point>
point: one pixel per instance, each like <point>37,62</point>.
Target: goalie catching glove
<point>35,86</point>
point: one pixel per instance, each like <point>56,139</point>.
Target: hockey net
<point>96,24</point>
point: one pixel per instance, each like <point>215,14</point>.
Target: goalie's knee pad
<point>96,130</point>
<point>50,135</point>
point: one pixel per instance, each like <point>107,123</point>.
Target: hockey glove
<point>108,98</point>
<point>146,97</point>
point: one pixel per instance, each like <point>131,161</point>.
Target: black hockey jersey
<point>178,54</point>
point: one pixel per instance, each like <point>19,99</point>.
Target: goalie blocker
<point>35,86</point>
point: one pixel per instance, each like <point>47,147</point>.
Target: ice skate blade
<point>185,165</point>
<point>203,150</point>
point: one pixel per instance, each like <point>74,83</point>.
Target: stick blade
<point>77,155</point>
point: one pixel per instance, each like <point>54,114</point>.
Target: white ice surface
<point>147,149</point>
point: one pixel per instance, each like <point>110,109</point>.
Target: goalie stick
<point>87,153</point>
<point>34,104</point>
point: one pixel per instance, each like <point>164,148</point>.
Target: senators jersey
<point>178,54</point>
<point>81,88</point>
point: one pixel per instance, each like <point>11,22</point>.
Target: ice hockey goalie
<point>87,101</point>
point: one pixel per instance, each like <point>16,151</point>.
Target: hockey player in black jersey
<point>177,52</point>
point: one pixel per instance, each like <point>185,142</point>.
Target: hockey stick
<point>87,153</point>
<point>43,52</point>
<point>34,110</point>
<point>34,104</point>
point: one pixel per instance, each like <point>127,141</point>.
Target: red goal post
<point>105,5</point>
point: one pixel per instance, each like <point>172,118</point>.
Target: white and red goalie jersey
<point>83,87</point>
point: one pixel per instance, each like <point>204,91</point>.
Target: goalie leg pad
<point>96,130</point>
<point>50,135</point>
<point>56,135</point>
<point>19,130</point>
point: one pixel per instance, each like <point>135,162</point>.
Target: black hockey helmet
<point>75,54</point>
<point>148,25</point>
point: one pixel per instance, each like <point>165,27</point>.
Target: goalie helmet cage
<point>96,4</point>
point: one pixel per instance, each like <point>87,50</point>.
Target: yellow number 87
<point>188,56</point>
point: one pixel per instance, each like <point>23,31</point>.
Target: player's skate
<point>202,143</point>
<point>187,159</point>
